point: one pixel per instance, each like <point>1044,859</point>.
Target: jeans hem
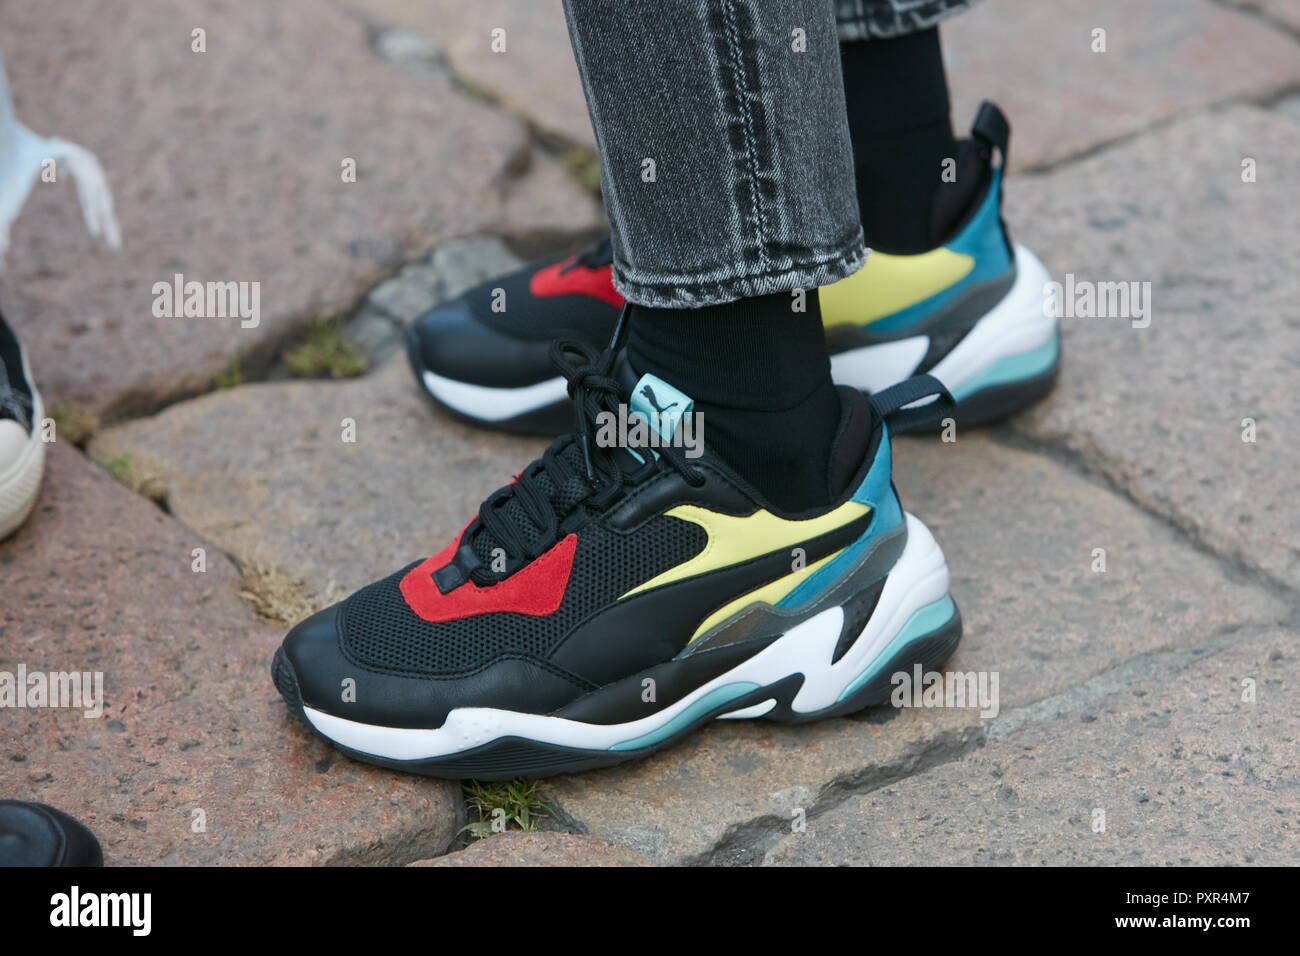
<point>662,291</point>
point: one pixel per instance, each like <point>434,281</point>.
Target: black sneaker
<point>616,596</point>
<point>33,834</point>
<point>486,355</point>
<point>971,312</point>
<point>22,453</point>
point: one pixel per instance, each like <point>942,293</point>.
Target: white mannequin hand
<point>92,190</point>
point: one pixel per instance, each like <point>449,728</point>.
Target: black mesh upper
<point>381,632</point>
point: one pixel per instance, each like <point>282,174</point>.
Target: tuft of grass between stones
<point>503,805</point>
<point>232,375</point>
<point>73,424</point>
<point>474,91</point>
<point>584,166</point>
<point>119,466</point>
<point>135,476</point>
<point>325,354</point>
<point>278,597</point>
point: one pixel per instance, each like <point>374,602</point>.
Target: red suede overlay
<point>554,280</point>
<point>536,589</point>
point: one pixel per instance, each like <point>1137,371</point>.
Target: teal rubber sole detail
<point>710,701</point>
<point>923,622</point>
<point>1012,368</point>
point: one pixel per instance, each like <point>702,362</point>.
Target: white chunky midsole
<point>493,404</point>
<point>918,578</point>
<point>1018,324</point>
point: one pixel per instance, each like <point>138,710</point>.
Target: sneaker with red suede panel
<point>486,355</point>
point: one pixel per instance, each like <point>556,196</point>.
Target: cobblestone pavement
<point>1149,712</point>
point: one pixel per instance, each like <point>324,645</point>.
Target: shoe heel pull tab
<point>889,404</point>
<point>619,338</point>
<point>992,128</point>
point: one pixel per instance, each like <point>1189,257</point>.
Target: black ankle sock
<point>899,122</point>
<point>759,373</point>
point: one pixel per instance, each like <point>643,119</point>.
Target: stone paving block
<point>378,329</point>
<point>513,848</point>
<point>1020,534</point>
<point>1018,531</point>
<point>467,262</point>
<point>714,796</point>
<point>1185,771</point>
<point>1285,14</point>
<point>547,206</point>
<point>234,173</point>
<point>264,473</point>
<point>1162,410</point>
<point>101,580</point>
<point>535,77</point>
<point>452,268</point>
<point>1163,57</point>
<point>1289,106</point>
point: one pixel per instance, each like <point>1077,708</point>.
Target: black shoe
<point>971,312</point>
<point>617,596</point>
<point>33,834</point>
<point>486,355</point>
<point>22,453</point>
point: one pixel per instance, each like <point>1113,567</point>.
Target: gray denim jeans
<point>724,144</point>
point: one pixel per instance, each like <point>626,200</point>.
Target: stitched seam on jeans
<point>734,51</point>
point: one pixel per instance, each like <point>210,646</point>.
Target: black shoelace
<point>599,253</point>
<point>575,470</point>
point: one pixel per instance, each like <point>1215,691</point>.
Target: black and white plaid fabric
<point>864,19</point>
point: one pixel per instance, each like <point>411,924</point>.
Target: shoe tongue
<point>663,406</point>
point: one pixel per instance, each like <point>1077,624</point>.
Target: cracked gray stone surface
<point>195,759</point>
<point>1163,57</point>
<point>297,498</point>
<point>1283,13</point>
<point>1161,411</point>
<point>513,848</point>
<point>1179,771</point>
<point>234,173</point>
<point>1290,106</point>
<point>535,77</point>
<point>452,267</point>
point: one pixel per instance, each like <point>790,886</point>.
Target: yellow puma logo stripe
<point>733,539</point>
